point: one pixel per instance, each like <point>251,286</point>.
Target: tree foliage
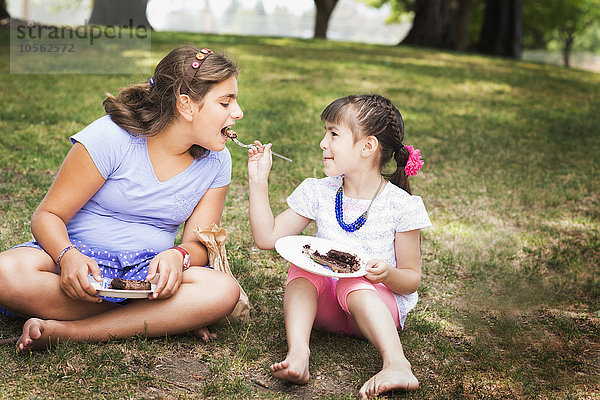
<point>399,8</point>
<point>563,20</point>
<point>543,21</point>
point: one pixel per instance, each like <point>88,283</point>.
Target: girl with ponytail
<point>157,160</point>
<point>358,208</point>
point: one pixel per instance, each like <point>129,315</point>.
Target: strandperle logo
<point>93,32</point>
<point>80,49</point>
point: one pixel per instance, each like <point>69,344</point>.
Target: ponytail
<point>399,177</point>
<point>134,110</point>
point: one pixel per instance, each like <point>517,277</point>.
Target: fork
<point>249,146</point>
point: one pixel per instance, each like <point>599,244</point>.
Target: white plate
<point>104,289</point>
<point>290,248</point>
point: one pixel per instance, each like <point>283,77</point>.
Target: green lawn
<point>510,297</point>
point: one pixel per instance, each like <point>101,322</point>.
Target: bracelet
<point>63,252</point>
<point>186,256</point>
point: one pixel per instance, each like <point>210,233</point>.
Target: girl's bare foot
<point>392,377</point>
<point>35,335</point>
<point>205,334</point>
<point>293,369</point>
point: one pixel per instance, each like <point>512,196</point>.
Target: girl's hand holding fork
<point>260,161</point>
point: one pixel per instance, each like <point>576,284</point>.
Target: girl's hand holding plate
<point>168,265</point>
<point>74,282</point>
<point>377,270</point>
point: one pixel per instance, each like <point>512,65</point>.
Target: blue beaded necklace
<point>339,212</point>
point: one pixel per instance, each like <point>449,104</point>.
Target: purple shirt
<point>133,209</point>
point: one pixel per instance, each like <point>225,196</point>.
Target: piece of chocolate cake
<point>230,133</point>
<point>337,261</point>
<point>130,284</point>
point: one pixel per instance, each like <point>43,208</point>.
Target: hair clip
<point>151,81</point>
<point>194,66</point>
<point>414,162</point>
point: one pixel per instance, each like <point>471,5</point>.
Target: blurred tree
<point>232,8</point>
<point>432,25</point>
<point>502,28</point>
<point>564,20</point>
<point>324,10</point>
<point>436,23</point>
<point>462,16</point>
<point>3,10</point>
<point>119,12</point>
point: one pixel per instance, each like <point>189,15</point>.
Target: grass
<point>510,298</point>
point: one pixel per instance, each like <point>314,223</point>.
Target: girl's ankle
<point>299,351</point>
<point>400,363</point>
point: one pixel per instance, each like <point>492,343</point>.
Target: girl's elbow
<point>417,281</point>
<point>264,244</point>
<point>36,220</point>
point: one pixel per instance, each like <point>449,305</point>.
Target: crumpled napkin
<point>214,239</point>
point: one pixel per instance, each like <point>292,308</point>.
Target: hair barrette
<point>199,58</point>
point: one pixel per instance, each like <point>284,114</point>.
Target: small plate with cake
<point>321,256</point>
<point>122,288</point>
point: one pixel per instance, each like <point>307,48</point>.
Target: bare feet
<point>205,334</point>
<point>293,369</point>
<point>35,335</point>
<point>393,377</point>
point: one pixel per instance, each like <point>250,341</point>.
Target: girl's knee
<point>225,290</point>
<point>317,281</point>
<point>13,282</point>
<point>9,267</point>
<point>346,286</point>
<point>231,289</point>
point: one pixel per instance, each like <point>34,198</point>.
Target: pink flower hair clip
<point>414,163</point>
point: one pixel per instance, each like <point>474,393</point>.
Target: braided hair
<point>374,115</point>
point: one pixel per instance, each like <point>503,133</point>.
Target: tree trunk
<point>119,13</point>
<point>324,10</point>
<point>432,25</point>
<point>3,11</point>
<point>502,29</point>
<point>568,41</point>
<point>463,13</point>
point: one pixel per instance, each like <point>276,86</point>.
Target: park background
<point>350,20</point>
<point>510,298</point>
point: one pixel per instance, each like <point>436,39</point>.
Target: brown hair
<point>374,115</point>
<point>146,110</point>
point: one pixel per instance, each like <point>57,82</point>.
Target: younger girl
<point>362,133</point>
<point>132,177</point>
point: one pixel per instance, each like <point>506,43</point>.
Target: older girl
<point>155,161</point>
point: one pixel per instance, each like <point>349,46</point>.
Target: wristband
<point>63,252</point>
<point>186,256</point>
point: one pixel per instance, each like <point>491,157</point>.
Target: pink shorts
<point>332,309</point>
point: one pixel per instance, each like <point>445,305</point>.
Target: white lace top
<point>393,210</point>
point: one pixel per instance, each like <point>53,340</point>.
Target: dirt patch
<point>188,375</point>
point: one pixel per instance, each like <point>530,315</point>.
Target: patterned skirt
<point>130,264</point>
